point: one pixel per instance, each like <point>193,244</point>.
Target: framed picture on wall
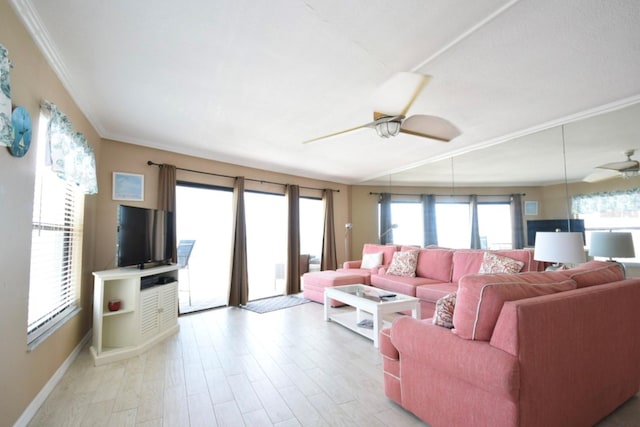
<point>530,207</point>
<point>128,186</point>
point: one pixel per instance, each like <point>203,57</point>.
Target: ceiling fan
<point>391,104</point>
<point>627,169</point>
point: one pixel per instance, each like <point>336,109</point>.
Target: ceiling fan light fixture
<point>388,129</point>
<point>630,173</point>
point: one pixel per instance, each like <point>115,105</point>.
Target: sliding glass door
<point>204,214</point>
<point>266,219</point>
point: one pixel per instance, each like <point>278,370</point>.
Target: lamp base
<point>556,267</point>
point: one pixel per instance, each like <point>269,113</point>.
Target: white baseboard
<point>35,404</point>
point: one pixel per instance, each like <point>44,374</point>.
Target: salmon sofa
<point>527,349</point>
<point>437,271</point>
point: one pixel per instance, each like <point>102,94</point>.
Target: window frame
<point>63,220</point>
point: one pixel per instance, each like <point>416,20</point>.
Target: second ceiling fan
<point>391,105</point>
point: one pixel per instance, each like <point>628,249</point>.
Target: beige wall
<point>22,373</point>
<point>122,157</point>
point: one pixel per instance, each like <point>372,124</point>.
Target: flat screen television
<point>533,226</point>
<point>144,236</point>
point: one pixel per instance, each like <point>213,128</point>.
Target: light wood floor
<point>233,367</point>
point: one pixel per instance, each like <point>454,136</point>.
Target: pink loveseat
<point>528,349</point>
<point>438,271</point>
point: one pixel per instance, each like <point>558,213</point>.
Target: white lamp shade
<point>559,247</point>
<point>611,244</point>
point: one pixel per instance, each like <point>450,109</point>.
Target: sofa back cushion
<point>435,264</point>
<point>387,251</point>
<point>595,273</point>
<point>480,298</point>
<point>468,261</point>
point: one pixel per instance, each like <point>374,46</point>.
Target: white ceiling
<point>246,82</point>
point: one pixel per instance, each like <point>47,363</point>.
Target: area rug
<point>274,303</point>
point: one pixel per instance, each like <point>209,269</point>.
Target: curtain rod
<point>373,193</point>
<point>261,181</point>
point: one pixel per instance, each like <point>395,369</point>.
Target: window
<point>56,247</point>
<point>494,222</point>
<point>311,227</point>
<point>408,216</point>
<point>611,211</point>
<point>454,227</point>
<point>452,222</point>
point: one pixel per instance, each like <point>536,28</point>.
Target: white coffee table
<point>367,306</point>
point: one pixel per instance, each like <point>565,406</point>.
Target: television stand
<point>146,315</point>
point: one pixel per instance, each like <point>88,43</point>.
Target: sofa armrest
<point>572,346</point>
<point>352,264</point>
<point>439,349</point>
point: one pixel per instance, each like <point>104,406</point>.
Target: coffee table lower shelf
<point>367,304</point>
<point>349,319</point>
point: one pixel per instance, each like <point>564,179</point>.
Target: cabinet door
<point>149,324</point>
<point>168,305</point>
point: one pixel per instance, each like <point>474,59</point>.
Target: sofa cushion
<point>433,292</point>
<point>435,264</point>
<point>595,273</point>
<point>387,251</point>
<point>401,285</point>
<point>371,260</point>
<point>403,264</point>
<point>480,298</point>
<point>443,315</point>
<point>493,263</point>
<point>468,261</point>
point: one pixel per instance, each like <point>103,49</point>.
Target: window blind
<point>56,250</point>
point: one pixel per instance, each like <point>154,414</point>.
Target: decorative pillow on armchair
<point>371,260</point>
<point>443,315</point>
<point>404,264</point>
<point>492,263</point>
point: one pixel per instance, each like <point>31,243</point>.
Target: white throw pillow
<point>371,260</point>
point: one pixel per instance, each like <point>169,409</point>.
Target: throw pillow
<point>371,260</point>
<point>492,263</point>
<point>404,264</point>
<point>443,315</point>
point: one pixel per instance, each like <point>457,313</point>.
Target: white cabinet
<point>158,310</point>
<point>148,312</point>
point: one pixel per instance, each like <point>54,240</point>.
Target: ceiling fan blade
<point>432,127</point>
<point>620,166</point>
<point>337,133</point>
<point>395,96</point>
<point>601,175</point>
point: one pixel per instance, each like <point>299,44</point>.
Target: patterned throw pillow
<point>443,315</point>
<point>371,260</point>
<point>492,263</point>
<point>404,264</point>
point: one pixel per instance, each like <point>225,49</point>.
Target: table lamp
<point>559,247</point>
<point>612,244</point>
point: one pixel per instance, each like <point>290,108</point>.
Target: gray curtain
<point>329,260</point>
<point>167,199</point>
<point>292,284</point>
<point>517,222</point>
<point>429,219</point>
<point>239,286</point>
<point>386,232</point>
<point>475,230</point>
